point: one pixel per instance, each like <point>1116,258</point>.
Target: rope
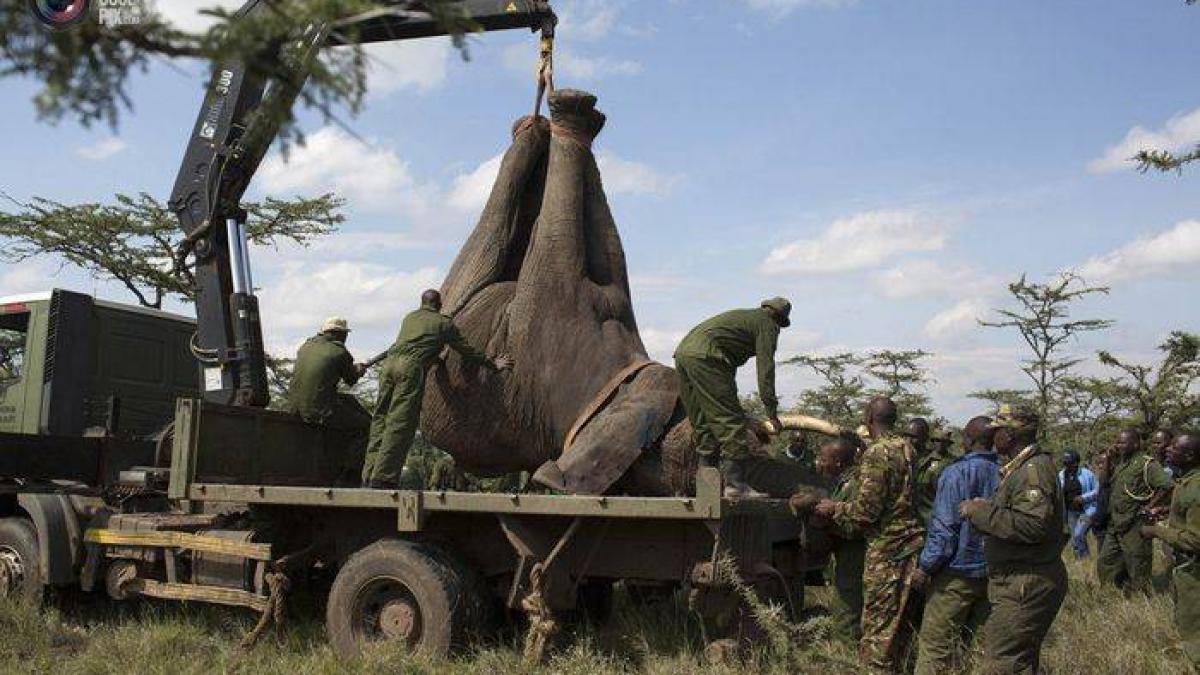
<point>542,626</point>
<point>277,588</point>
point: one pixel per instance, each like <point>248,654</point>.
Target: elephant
<point>543,278</point>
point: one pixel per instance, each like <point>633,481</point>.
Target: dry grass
<point>1098,631</point>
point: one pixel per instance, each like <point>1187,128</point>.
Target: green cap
<point>1016,417</point>
<point>782,307</point>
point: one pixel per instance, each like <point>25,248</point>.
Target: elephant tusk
<point>802,423</point>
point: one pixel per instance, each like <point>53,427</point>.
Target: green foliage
<point>1042,319</point>
<point>1162,395</point>
<point>1164,160</point>
<point>902,378</point>
<point>847,384</point>
<point>85,71</point>
<point>136,239</point>
<point>839,399</point>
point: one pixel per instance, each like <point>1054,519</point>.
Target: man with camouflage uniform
<point>424,333</point>
<point>836,464</point>
<point>883,512</point>
<point>1182,532</point>
<point>322,363</point>
<point>707,361</point>
<point>1125,557</point>
<point>1023,542</point>
<point>931,459</point>
<point>951,568</point>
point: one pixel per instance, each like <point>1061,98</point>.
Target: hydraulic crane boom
<point>240,118</point>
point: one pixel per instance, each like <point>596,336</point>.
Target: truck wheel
<point>398,590</point>
<point>20,562</point>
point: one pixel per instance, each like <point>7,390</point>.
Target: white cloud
<point>660,344</point>
<point>781,8</point>
<point>471,190</point>
<point>861,241</point>
<point>956,321</point>
<point>27,277</point>
<point>368,175</point>
<point>579,67</point>
<point>185,14</point>
<point>370,296</point>
<point>570,65</point>
<point>589,20</point>
<point>1181,132</point>
<point>928,278</point>
<point>409,64</point>
<point>622,176</point>
<point>1170,253</point>
<point>101,149</point>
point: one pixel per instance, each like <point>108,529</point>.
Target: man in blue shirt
<point>1080,492</point>
<point>951,566</point>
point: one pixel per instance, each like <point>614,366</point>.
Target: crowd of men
<point>931,549</point>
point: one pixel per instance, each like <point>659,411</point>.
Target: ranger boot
<point>736,486</point>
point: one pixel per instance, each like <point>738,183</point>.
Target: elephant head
<point>543,278</point>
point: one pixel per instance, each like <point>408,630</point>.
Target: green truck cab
<point>70,362</point>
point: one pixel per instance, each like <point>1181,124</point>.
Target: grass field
<point>1098,631</point>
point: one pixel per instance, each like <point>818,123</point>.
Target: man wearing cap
<point>707,361</point>
<point>1182,532</point>
<point>323,363</point>
<point>1125,557</point>
<point>424,333</point>
<point>1023,541</point>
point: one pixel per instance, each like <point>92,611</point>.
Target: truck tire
<point>20,562</point>
<point>399,590</point>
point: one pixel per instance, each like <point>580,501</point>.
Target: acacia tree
<point>1043,320</point>
<point>1162,394</point>
<point>1092,409</point>
<point>839,399</point>
<point>902,377</point>
<point>137,240</point>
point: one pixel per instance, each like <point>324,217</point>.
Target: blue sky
<point>888,166</point>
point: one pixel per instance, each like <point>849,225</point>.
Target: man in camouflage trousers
<point>1182,532</point>
<point>1023,541</point>
<point>883,511</point>
<point>1125,557</point>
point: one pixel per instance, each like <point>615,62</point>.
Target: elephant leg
<point>495,250</point>
<point>636,418</point>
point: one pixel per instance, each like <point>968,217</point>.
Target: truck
<point>140,458</point>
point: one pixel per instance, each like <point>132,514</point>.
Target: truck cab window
<point>13,329</point>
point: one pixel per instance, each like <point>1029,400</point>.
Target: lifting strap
<point>602,398</point>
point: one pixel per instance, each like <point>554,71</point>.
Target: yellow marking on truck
<point>194,542</point>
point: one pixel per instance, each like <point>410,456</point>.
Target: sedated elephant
<point>543,278</point>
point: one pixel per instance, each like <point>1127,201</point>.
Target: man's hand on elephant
<point>503,362</point>
<point>825,508</point>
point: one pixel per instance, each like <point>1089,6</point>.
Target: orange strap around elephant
<point>602,398</point>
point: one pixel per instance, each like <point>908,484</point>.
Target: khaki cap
<point>335,323</point>
<point>1018,417</point>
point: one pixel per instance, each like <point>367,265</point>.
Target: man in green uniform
<point>931,459</point>
<point>1182,532</point>
<point>323,363</point>
<point>1125,557</point>
<point>423,335</point>
<point>1023,540</point>
<point>835,462</point>
<point>707,361</point>
<point>884,514</point>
